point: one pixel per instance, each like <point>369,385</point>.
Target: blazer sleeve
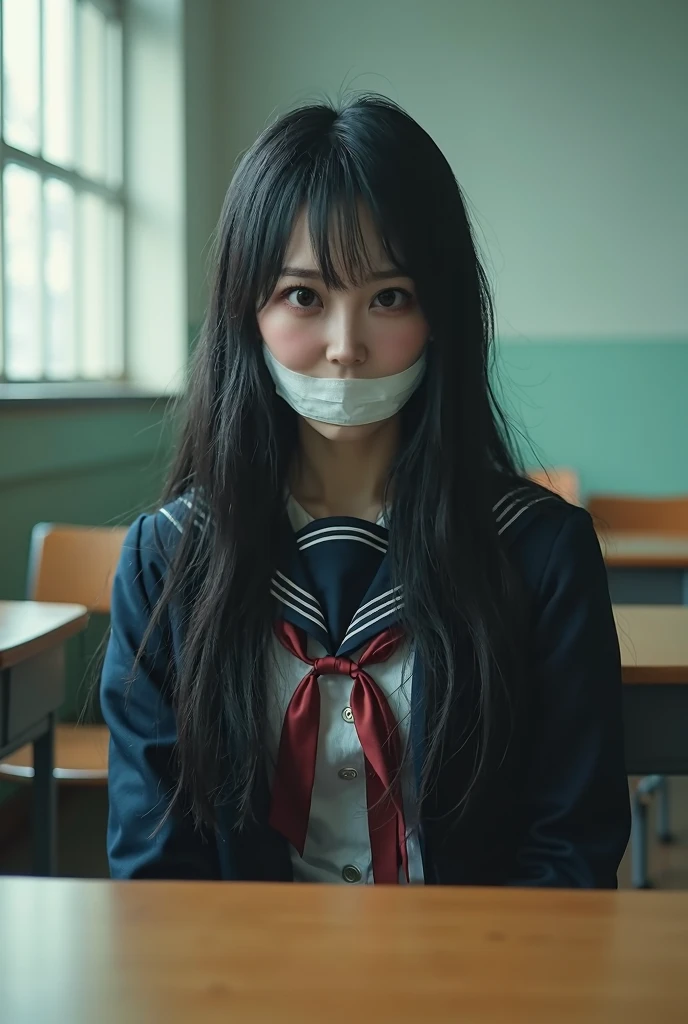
<point>576,799</point>
<point>142,729</point>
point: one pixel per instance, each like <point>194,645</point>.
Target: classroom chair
<point>626,514</point>
<point>71,565</point>
<point>562,481</point>
<point>630,514</point>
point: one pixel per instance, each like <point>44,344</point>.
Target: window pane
<point>91,36</point>
<point>21,73</point>
<point>60,354</point>
<point>92,299</point>
<point>57,81</point>
<point>115,292</point>
<point>24,349</point>
<point>114,103</point>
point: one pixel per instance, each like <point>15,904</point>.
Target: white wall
<point>156,266</point>
<point>566,123</point>
<point>207,172</point>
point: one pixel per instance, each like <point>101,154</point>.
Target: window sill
<point>77,393</point>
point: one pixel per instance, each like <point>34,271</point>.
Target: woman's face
<point>370,330</point>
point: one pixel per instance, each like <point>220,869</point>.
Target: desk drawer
<point>30,691</point>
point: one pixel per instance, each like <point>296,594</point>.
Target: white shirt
<point>337,847</point>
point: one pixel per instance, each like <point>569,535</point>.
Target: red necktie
<point>378,733</point>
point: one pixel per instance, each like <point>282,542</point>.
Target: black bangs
<point>338,199</point>
<point>338,185</point>
<point>335,202</point>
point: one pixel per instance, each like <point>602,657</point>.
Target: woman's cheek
<point>292,340</point>
<point>401,344</point>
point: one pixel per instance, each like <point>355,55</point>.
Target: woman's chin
<point>335,432</point>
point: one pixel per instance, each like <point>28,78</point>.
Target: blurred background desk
<point>654,658</point>
<point>32,638</point>
<point>646,568</point>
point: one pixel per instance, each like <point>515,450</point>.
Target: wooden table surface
<point>654,643</point>
<point>644,550</point>
<point>83,952</point>
<point>28,628</point>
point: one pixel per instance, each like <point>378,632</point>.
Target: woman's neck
<point>344,478</point>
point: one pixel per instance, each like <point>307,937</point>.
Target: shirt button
<point>350,873</point>
<point>347,774</point>
<point>348,715</point>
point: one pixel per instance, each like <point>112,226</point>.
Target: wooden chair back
<point>74,564</point>
<point>562,481</point>
<point>639,515</point>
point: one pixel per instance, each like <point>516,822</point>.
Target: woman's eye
<point>302,298</point>
<point>393,298</point>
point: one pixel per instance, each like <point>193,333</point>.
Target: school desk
<point>649,568</point>
<point>654,656</point>
<point>32,683</point>
<point>82,952</point>
<point>646,568</point>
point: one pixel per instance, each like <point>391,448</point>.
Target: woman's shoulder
<point>542,531</point>
<point>153,537</point>
<point>520,504</point>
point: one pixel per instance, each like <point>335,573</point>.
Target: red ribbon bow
<point>379,736</point>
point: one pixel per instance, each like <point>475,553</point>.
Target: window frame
<point>80,184</point>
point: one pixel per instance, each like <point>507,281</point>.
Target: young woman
<point>356,644</point>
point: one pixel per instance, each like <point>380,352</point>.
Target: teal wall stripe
<point>617,412</point>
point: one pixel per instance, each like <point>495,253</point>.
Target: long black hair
<point>239,440</point>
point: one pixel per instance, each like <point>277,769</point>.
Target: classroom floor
<point>83,819</point>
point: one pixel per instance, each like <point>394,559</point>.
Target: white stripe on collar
<point>359,629</point>
<point>344,529</point>
<point>175,522</point>
<point>376,605</point>
<point>190,506</point>
<point>311,604</point>
<point>511,494</point>
<point>522,509</point>
<point>294,607</point>
<point>198,513</point>
<point>507,509</point>
<point>294,589</point>
<point>379,597</point>
<point>343,536</point>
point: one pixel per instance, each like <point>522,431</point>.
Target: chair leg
<point>663,820</point>
<point>44,804</point>
<point>639,839</point>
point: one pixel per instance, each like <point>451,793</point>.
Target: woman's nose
<point>345,345</point>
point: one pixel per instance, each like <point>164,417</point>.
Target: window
<point>61,194</point>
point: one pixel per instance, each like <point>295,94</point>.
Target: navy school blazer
<point>556,813</point>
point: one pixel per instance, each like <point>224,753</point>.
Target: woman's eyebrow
<point>315,275</point>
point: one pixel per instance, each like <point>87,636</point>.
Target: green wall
<point>95,465</point>
<point>617,412</point>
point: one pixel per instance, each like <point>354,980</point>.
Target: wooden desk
<point>654,658</point>
<point>174,952</point>
<point>646,568</point>
<point>32,638</point>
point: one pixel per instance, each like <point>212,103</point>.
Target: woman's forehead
<point>362,233</point>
